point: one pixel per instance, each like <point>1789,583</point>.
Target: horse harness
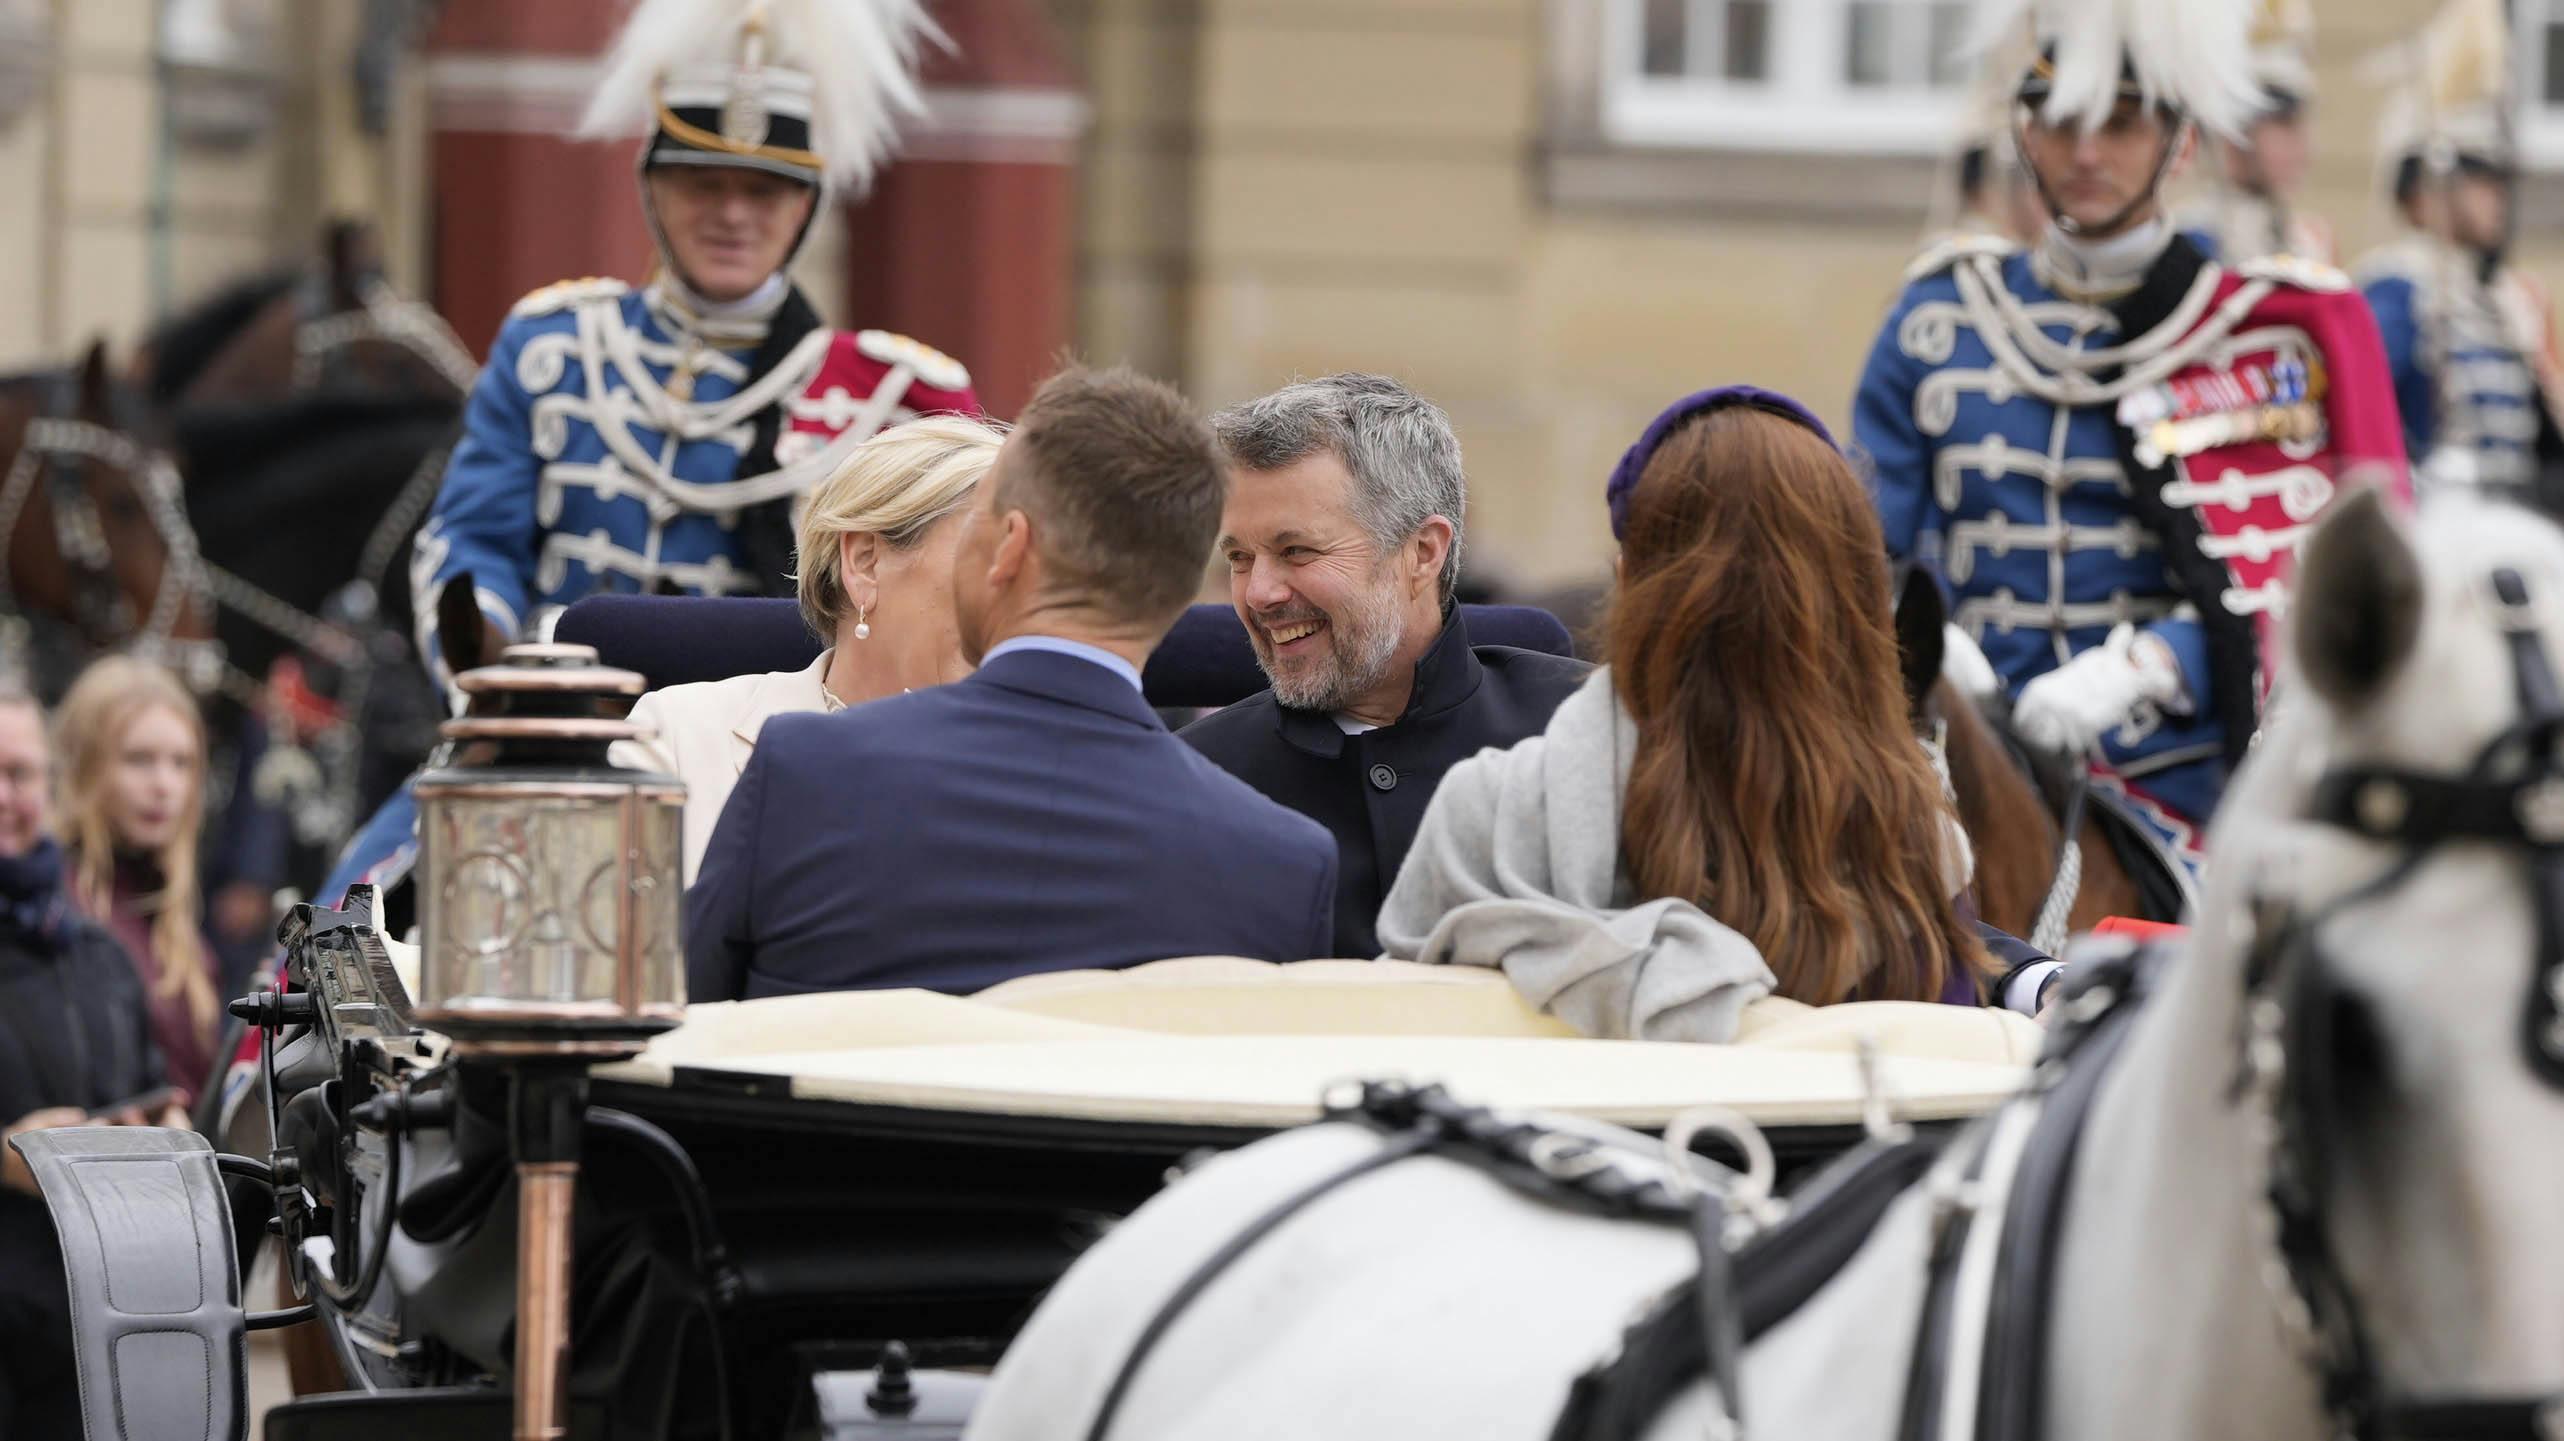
<point>1999,1195</point>
<point>2512,796</point>
<point>383,316</point>
<point>55,451</point>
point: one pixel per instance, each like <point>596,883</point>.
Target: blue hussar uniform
<point>2024,505</point>
<point>603,451</point>
<point>2464,356</point>
<point>539,504</point>
<point>2070,468</point>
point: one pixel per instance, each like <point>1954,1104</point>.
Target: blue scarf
<point>31,896</point>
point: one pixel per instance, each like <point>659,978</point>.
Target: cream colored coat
<point>704,732</point>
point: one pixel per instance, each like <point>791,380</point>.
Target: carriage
<point>778,1190</point>
<point>797,1216</point>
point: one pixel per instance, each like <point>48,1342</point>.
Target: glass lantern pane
<point>522,902</point>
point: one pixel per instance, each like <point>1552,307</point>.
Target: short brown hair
<point>1124,484</point>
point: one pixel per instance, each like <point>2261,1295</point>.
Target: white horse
<point>1429,1298</point>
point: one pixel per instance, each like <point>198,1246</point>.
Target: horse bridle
<point>2511,795</point>
<point>386,317</point>
<point>56,451</point>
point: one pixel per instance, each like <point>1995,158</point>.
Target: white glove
<point>2070,708</point>
<point>1964,666</point>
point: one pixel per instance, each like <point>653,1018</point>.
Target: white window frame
<point>1805,104</point>
<point>2541,125</point>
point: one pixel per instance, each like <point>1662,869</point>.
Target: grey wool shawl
<point>1517,867</point>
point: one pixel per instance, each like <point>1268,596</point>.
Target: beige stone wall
<point>1281,187</point>
<point>116,226</point>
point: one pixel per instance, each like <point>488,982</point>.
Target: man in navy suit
<point>1037,816</point>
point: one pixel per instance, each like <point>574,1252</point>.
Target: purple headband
<point>1624,476</point>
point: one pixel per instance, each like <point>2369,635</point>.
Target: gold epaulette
<point>932,367</point>
<point>2295,270</point>
<point>1943,254</point>
<point>562,294</point>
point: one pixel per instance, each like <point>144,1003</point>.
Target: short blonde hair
<point>895,484</point>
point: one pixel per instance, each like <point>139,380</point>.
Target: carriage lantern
<point>548,914</point>
<point>548,877</point>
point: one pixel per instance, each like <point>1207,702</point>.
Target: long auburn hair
<point>89,728</point>
<point>1778,783</point>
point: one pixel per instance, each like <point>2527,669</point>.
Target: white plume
<point>861,57</point>
<point>2194,54</point>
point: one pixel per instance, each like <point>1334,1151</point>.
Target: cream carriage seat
<point>1218,1042</point>
<point>1230,996</point>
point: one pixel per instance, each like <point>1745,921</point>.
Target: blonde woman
<point>132,754</point>
<point>876,550</point>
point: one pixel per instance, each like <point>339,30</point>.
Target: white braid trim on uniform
<point>2151,359</point>
<point>726,496</point>
<point>601,318</point>
<point>602,331</point>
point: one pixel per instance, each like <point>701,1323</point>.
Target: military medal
<point>2185,416</point>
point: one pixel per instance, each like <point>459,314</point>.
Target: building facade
<point>1555,217</point>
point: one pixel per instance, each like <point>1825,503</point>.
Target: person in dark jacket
<point>1036,816</point>
<point>75,1039</point>
<point>1342,537</point>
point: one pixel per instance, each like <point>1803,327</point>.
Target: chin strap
<point>668,254</point>
<point>2154,183</point>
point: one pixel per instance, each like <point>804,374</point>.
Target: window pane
<point>1949,44</point>
<point>1661,45</point>
<point>1749,31</point>
<point>1868,51</point>
<point>2554,86</point>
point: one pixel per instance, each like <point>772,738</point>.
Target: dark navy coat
<point>1034,817</point>
<point>1370,790</point>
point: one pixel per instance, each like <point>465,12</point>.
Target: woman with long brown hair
<point>132,750</point>
<point>1736,803</point>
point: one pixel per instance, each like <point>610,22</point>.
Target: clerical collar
<point>729,324</point>
<point>2099,271</point>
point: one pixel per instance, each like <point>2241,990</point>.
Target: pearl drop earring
<point>863,631</point>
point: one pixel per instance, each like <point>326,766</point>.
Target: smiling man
<point>1342,537</point>
<point>655,439</point>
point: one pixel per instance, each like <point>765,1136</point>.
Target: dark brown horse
<point>2011,802</point>
<point>94,538</point>
<point>310,408</point>
<point>334,324</point>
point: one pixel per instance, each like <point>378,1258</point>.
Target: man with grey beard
<point>1342,537</point>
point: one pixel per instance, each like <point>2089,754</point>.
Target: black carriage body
<point>742,1251</point>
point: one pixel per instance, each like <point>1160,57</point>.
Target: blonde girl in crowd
<point>131,748</point>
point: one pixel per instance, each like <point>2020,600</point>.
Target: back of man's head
<point>1123,484</point>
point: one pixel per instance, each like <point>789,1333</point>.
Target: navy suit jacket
<point>1034,817</point>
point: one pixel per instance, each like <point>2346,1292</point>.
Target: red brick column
<point>968,241</point>
<point>965,242</point>
<point>517,203</point>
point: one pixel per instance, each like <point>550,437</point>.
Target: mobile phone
<point>148,1105</point>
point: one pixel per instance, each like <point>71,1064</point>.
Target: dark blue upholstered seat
<point>1204,663</point>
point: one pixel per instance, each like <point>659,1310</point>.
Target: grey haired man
<point>1342,536</point>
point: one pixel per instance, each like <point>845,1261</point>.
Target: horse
<point>95,550</point>
<point>2296,1183</point>
<point>2016,804</point>
<point>312,409</point>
